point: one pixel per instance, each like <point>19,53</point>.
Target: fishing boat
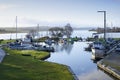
<point>98,50</point>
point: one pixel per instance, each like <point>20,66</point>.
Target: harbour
<point>79,60</point>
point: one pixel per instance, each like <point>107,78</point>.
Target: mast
<point>16,27</point>
<point>38,30</point>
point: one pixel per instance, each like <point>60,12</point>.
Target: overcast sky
<point>80,13</point>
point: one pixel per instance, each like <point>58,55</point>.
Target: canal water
<point>73,55</point>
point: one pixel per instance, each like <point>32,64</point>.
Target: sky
<point>79,13</point>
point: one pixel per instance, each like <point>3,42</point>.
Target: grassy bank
<point>18,67</point>
<point>6,41</point>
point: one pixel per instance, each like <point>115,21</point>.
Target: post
<point>104,24</point>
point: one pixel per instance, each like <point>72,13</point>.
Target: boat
<point>89,47</point>
<point>43,47</point>
<point>98,50</point>
<point>117,48</point>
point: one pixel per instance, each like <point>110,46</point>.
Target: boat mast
<point>38,31</point>
<point>16,27</point>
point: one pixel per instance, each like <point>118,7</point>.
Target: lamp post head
<point>101,11</point>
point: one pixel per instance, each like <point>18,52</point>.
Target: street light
<point>104,23</point>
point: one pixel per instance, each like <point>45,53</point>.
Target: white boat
<point>98,50</point>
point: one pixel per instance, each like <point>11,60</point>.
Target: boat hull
<point>97,53</point>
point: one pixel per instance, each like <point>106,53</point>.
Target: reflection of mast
<point>16,27</point>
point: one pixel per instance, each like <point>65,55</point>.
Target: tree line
<point>108,29</point>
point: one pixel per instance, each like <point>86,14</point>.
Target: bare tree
<point>56,32</point>
<point>68,30</point>
<point>33,33</point>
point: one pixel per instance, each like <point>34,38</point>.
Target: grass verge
<point>18,67</point>
<point>6,41</point>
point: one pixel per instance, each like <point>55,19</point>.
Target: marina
<point>60,40</point>
<point>79,60</point>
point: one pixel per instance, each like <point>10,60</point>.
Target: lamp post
<point>104,23</point>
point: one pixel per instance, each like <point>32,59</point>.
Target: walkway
<point>2,55</point>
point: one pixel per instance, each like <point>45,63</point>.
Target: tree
<point>68,30</point>
<point>56,32</point>
<point>33,33</point>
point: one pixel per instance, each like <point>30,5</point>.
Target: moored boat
<point>98,50</point>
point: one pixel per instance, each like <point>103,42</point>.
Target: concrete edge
<point>74,75</point>
<point>3,54</point>
<point>108,70</point>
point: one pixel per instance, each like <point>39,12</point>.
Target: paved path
<point>2,55</point>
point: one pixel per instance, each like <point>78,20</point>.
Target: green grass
<point>18,67</point>
<point>6,41</point>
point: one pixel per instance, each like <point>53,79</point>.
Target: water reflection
<point>60,47</point>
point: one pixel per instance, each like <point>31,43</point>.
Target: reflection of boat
<point>98,50</point>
